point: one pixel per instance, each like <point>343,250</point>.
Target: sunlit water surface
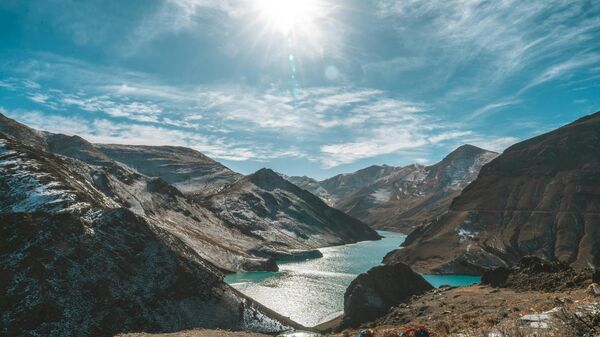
<point>311,292</point>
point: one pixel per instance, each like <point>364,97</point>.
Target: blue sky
<point>344,85</point>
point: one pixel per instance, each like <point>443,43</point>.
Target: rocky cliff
<point>540,197</point>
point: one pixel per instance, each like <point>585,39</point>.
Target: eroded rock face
<point>372,294</point>
<point>540,197</point>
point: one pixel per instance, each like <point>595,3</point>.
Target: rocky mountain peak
<point>268,179</point>
<point>400,198</point>
<point>466,150</point>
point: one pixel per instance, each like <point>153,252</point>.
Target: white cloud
<point>491,107</point>
<point>494,41</point>
<point>335,125</point>
<point>562,69</point>
<point>387,140</point>
<point>496,144</point>
<point>110,132</point>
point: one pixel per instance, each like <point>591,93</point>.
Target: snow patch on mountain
<point>381,195</point>
<point>29,190</point>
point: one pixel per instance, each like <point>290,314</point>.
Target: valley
<point>180,235</point>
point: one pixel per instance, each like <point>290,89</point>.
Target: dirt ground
<point>479,310</point>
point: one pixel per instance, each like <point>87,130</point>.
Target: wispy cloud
<point>492,107</point>
<point>495,41</point>
<point>335,125</point>
<point>497,144</point>
<point>387,140</point>
<point>561,69</point>
<point>414,78</point>
<point>99,130</point>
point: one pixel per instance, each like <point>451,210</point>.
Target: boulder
<point>373,294</point>
<point>594,289</point>
<point>495,277</point>
<point>596,276</point>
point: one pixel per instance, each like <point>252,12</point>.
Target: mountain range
<point>400,198</point>
<point>102,239</point>
<point>76,261</point>
<point>153,183</point>
<point>539,197</point>
<point>106,235</point>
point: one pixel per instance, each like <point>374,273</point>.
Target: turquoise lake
<point>311,292</point>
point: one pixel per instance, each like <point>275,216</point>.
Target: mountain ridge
<point>540,197</point>
<point>401,198</point>
<point>72,254</point>
<point>164,205</point>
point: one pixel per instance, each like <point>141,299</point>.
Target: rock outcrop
<point>401,198</point>
<point>533,273</point>
<point>540,197</point>
<point>372,294</point>
<point>495,277</point>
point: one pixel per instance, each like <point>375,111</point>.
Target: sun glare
<point>288,16</point>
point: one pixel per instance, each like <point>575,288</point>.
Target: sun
<point>289,16</point>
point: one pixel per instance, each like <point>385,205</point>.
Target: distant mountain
<point>188,170</point>
<point>313,186</point>
<point>540,197</point>
<point>145,190</point>
<point>265,205</point>
<point>79,258</point>
<point>401,198</point>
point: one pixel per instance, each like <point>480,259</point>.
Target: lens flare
<point>288,16</point>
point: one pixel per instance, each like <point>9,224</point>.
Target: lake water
<point>311,292</point>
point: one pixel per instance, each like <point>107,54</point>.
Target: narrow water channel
<point>311,292</point>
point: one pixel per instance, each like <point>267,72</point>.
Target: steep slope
<point>152,198</point>
<point>188,170</point>
<point>540,197</point>
<point>266,206</point>
<point>213,238</point>
<point>401,198</point>
<point>70,146</point>
<point>344,185</point>
<point>414,194</point>
<point>311,185</point>
<point>74,262</point>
